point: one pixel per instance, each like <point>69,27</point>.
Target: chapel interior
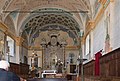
<point>61,40</point>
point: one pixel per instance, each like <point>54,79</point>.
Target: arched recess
<point>47,19</point>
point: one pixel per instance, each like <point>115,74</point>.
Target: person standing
<point>6,75</point>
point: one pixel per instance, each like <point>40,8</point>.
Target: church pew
<point>20,69</point>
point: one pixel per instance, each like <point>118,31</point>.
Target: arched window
<point>87,45</point>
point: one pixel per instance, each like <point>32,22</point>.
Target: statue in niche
<point>53,61</point>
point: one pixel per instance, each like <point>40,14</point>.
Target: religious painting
<point>107,2</point>
<point>107,26</point>
<point>10,46</point>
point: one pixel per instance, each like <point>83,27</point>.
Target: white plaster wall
<point>91,49</point>
<point>23,53</point>
<point>83,50</point>
<point>99,34</point>
<point>115,24</point>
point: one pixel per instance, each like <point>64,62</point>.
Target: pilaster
<point>19,41</point>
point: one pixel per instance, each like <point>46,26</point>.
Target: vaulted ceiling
<point>35,16</point>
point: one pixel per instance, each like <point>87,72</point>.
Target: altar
<point>51,73</point>
<point>53,50</point>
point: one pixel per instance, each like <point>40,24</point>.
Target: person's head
<point>4,65</point>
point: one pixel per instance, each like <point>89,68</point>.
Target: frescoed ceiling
<point>32,17</point>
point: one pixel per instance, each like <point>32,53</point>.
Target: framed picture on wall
<point>10,46</point>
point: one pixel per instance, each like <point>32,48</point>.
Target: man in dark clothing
<point>6,75</point>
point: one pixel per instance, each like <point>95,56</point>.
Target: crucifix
<point>34,60</point>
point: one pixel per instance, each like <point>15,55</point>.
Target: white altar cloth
<point>48,72</point>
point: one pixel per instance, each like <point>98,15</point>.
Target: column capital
<point>90,24</point>
<point>19,41</point>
